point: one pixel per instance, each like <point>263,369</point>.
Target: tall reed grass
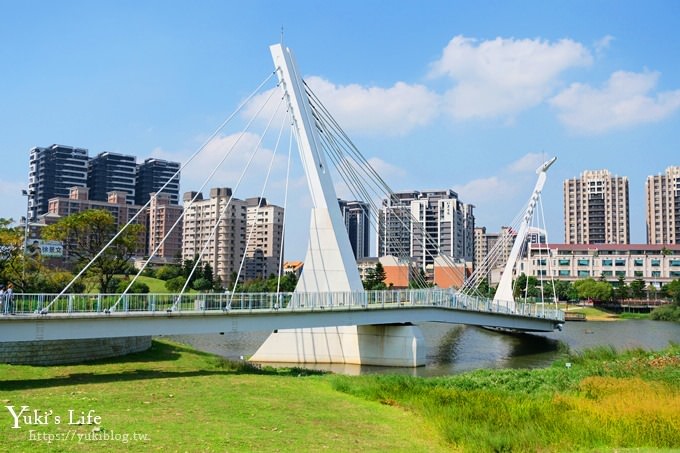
<point>603,400</point>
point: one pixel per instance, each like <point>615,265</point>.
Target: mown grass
<point>179,399</point>
<point>156,286</point>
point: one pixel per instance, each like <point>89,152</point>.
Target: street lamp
<point>26,194</point>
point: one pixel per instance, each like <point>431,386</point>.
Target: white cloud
<point>224,160</point>
<point>389,111</point>
<point>512,181</point>
<point>624,100</point>
<point>502,77</point>
<point>603,43</point>
<point>479,191</point>
<point>387,171</point>
<point>527,163</point>
<point>392,111</point>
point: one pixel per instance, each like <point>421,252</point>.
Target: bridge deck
<point>96,316</point>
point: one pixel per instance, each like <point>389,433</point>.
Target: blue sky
<point>463,95</point>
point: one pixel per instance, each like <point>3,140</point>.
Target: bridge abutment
<point>401,345</point>
<point>58,352</point>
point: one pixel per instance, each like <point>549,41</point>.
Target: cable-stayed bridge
<point>329,317</point>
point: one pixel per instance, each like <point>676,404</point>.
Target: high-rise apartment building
<point>252,229</point>
<point>662,193</point>
<point>222,244</point>
<point>109,172</point>
<point>358,224</point>
<point>163,215</point>
<point>596,209</point>
<point>264,239</point>
<point>423,225</point>
<point>52,173</point>
<point>492,250</point>
<point>152,175</point>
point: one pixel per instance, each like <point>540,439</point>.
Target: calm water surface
<point>454,349</point>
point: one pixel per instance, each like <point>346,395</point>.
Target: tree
<point>526,287</point>
<point>637,289</point>
<point>672,290</point>
<point>420,281</point>
<point>175,285</point>
<point>136,288</point>
<point>594,290</point>
<point>168,272</point>
<point>484,289</point>
<point>84,235</point>
<point>375,278</point>
<point>202,284</point>
<point>288,283</point>
<point>621,289</point>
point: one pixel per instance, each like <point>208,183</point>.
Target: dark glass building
<point>357,222</point>
<point>152,176</point>
<point>52,172</point>
<point>109,172</point>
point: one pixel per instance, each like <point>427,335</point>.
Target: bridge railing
<point>192,302</point>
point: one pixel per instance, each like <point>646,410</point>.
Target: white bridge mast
<point>329,263</point>
<point>504,290</point>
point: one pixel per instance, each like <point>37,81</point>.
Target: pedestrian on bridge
<point>8,300</point>
<point>2,298</point>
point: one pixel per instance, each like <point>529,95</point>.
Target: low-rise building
<point>656,264</point>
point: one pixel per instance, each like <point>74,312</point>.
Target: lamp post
<point>26,194</point>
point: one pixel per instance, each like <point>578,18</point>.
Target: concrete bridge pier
<point>398,345</point>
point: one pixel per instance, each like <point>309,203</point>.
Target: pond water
<point>455,348</point>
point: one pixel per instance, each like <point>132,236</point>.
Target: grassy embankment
<point>598,314</point>
<point>184,400</point>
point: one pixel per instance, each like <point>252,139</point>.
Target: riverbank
<point>177,399</point>
<point>598,314</point>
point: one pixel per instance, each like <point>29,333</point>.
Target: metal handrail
<point>256,302</point>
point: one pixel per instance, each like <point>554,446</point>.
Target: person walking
<point>9,296</point>
<point>2,299</point>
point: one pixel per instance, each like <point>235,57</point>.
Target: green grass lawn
<point>173,398</point>
<point>177,399</point>
<point>155,285</point>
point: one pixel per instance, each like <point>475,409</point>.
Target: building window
<point>675,263</point>
<point>620,262</point>
<point>638,262</point>
<point>584,273</point>
<point>583,262</point>
<point>656,262</point>
<point>656,274</point>
<point>563,262</point>
<point>606,262</point>
<point>564,272</point>
<point>606,273</point>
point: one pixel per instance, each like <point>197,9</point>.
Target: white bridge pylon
<point>329,264</point>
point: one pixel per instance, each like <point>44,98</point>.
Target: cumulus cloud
<point>502,77</point>
<point>224,160</point>
<point>511,181</point>
<point>394,111</point>
<point>626,99</point>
